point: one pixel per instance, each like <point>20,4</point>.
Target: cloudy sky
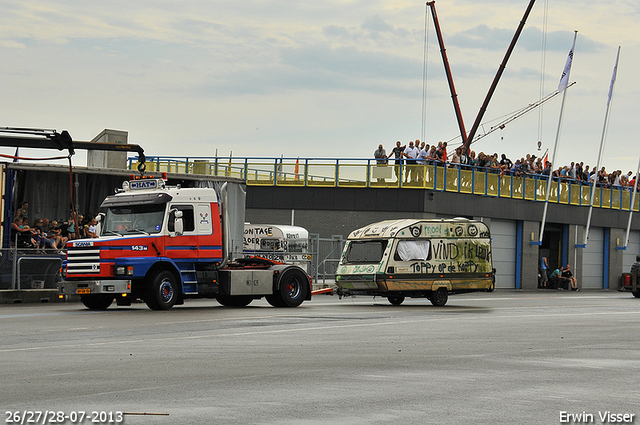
<point>317,79</point>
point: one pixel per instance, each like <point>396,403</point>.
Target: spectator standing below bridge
<point>544,277</point>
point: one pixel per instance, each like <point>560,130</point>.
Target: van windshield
<point>365,252</point>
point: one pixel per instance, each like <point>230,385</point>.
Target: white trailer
<point>286,244</point>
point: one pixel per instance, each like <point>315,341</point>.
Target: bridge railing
<point>366,173</point>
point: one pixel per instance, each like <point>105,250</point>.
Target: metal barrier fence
<point>325,256</point>
<point>366,173</point>
<point>25,269</point>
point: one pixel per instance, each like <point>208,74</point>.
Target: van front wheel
<point>439,297</point>
<point>397,300</point>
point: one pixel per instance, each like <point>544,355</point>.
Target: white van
<point>287,244</point>
<point>417,258</point>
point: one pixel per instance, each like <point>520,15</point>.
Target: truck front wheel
<point>97,302</point>
<point>439,297</point>
<point>293,289</point>
<point>162,293</point>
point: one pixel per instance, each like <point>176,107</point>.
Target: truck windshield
<point>126,220</point>
<point>365,252</point>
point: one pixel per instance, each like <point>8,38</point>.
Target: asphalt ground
<point>506,357</point>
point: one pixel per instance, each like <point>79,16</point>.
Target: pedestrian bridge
<point>366,173</point>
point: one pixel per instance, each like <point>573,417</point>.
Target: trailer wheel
<point>97,302</point>
<point>294,285</point>
<point>636,294</point>
<point>439,297</point>
<point>234,300</point>
<point>396,300</point>
<point>162,294</point>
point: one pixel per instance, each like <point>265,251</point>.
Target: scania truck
<point>163,244</point>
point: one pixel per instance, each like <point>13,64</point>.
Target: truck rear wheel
<point>439,297</point>
<point>162,294</point>
<point>234,300</point>
<point>294,285</point>
<point>636,294</point>
<point>396,300</point>
<point>97,302</point>
<point>275,300</point>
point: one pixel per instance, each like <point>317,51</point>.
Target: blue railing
<point>366,173</point>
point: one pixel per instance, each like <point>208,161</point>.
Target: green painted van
<point>417,258</point>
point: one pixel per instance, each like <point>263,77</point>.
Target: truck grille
<point>83,260</point>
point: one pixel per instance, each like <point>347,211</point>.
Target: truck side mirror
<point>178,225</point>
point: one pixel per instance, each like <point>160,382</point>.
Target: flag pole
<point>633,203</point>
<point>604,131</point>
<point>562,86</point>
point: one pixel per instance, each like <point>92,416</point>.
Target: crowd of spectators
<point>527,166</point>
<point>45,236</point>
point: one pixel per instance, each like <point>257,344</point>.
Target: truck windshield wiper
<point>111,232</point>
<point>138,231</point>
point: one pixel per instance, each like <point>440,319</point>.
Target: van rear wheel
<point>396,300</point>
<point>439,297</point>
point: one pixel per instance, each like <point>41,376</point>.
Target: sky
<point>331,79</point>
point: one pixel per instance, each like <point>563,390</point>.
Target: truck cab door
<point>184,246</point>
<point>209,244</point>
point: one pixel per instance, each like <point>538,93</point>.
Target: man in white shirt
<point>422,160</point>
<point>411,153</point>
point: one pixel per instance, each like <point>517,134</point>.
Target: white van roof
<point>423,228</point>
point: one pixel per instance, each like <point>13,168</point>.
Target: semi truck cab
<point>165,244</point>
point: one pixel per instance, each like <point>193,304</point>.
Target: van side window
<point>188,221</point>
<point>365,252</point>
<point>419,250</point>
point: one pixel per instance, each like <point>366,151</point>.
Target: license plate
<point>83,291</point>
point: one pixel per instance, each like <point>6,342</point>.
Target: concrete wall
<point>338,211</point>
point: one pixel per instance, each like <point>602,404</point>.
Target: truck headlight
<point>124,270</point>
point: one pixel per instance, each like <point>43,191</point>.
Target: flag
<point>545,159</point>
<point>296,170</point>
<point>613,77</point>
<point>564,79</point>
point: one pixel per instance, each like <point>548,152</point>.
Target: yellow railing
<point>367,174</point>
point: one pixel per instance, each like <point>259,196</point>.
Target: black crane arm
<point>51,139</point>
